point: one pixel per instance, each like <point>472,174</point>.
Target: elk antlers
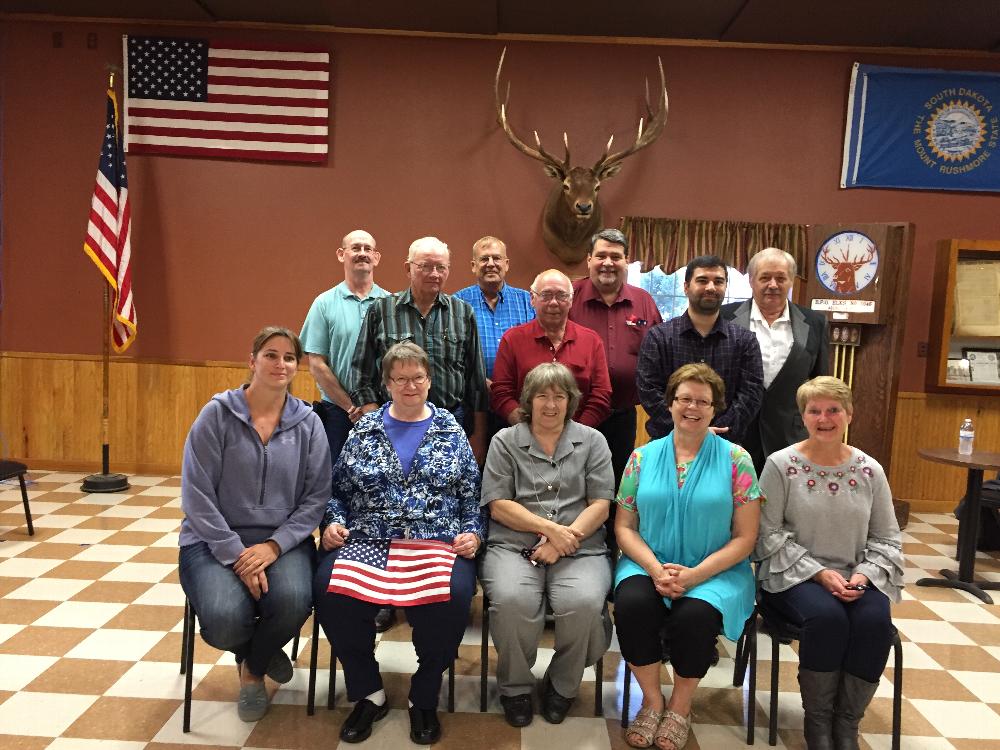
<point>646,134</point>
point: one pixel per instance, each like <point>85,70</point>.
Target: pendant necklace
<point>554,486</point>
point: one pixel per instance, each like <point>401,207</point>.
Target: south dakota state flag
<point>924,129</point>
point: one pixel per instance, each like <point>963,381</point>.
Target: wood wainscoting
<point>50,418</point>
<point>50,409</point>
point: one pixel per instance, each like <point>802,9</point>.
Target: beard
<point>707,305</point>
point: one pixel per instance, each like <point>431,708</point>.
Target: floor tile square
<point>984,634</point>
<point>162,491</point>
<point>139,572</point>
<point>50,551</point>
<point>109,553</point>
<point>52,589</point>
<point>959,720</point>
<point>82,536</point>
<point>42,714</point>
<point>147,617</point>
<point>83,509</point>
<point>170,594</point>
<point>23,567</point>
<point>170,540</point>
<point>105,523</point>
<point>138,481</point>
<point>23,611</point>
<point>212,723</point>
<point>54,521</point>
<point>75,614</point>
<point>165,555</point>
<point>14,547</point>
<point>984,685</point>
<point>950,612</point>
<point>7,631</point>
<point>17,670</point>
<point>930,631</point>
<point>148,679</point>
<point>80,676</point>
<point>42,640</point>
<point>20,742</point>
<point>128,511</point>
<point>111,591</point>
<point>78,743</point>
<point>153,524</point>
<point>83,569</point>
<point>119,645</point>
<point>133,538</point>
<point>137,719</point>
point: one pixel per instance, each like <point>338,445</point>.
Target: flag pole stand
<point>105,481</point>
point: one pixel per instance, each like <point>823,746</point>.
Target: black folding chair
<point>9,470</point>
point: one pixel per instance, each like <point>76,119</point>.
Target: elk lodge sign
<point>847,264</point>
<point>572,212</point>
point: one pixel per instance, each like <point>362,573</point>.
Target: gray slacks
<point>575,589</point>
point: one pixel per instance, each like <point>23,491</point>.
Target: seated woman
<point>830,562</point>
<point>548,483</point>
<point>406,471</point>
<point>254,482</point>
<point>686,525</point>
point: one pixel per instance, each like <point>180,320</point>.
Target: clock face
<point>847,262</point>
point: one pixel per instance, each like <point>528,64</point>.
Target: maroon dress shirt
<point>622,327</point>
<point>525,346</point>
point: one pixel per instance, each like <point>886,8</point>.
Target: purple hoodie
<point>235,488</point>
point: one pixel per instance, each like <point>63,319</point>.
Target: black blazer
<point>778,423</point>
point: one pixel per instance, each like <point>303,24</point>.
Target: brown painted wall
<point>222,248</point>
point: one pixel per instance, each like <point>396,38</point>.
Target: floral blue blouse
<point>439,498</point>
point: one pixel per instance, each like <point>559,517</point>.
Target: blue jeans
<point>851,636</point>
<point>231,620</point>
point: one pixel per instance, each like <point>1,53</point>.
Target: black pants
<point>619,430</point>
<point>853,636</point>
<point>337,425</point>
<point>349,624</point>
<point>690,626</point>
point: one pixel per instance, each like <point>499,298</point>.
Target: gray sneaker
<point>279,668</point>
<point>252,704</point>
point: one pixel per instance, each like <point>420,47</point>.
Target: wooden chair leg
<point>27,508</point>
<point>189,621</point>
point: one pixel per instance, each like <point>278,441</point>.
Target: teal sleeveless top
<point>686,525</point>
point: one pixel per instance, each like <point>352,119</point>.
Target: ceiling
<point>965,25</point>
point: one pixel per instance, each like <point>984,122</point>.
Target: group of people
<point>490,434</point>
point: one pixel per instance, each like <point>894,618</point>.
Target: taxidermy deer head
<point>572,212</point>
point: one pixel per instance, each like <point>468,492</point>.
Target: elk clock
<point>848,267</point>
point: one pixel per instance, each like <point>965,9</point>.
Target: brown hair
<point>266,334</point>
<point>404,351</point>
<point>825,386</point>
<point>697,372</point>
<point>549,375</point>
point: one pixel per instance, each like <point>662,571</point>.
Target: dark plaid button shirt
<point>730,350</point>
<point>449,336</point>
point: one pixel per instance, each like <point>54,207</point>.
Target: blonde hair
<point>697,372</point>
<point>486,241</point>
<point>825,386</point>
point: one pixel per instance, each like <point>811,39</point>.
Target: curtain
<point>672,243</point>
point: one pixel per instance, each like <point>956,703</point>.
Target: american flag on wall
<point>109,229</point>
<point>396,572</point>
<point>195,97</point>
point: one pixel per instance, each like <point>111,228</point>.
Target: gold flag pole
<point>106,481</point>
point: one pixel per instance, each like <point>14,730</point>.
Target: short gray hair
<point>614,236</point>
<point>404,351</point>
<point>426,243</point>
<point>772,253</point>
<point>554,272</point>
<point>549,375</point>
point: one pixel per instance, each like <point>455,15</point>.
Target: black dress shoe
<point>358,726</point>
<point>425,729</point>
<point>517,709</point>
<point>554,706</point>
<point>385,619</point>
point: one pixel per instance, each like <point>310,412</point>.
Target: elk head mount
<point>572,212</point>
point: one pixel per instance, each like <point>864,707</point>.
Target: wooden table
<point>968,525</point>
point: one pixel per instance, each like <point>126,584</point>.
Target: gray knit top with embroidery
<point>838,517</point>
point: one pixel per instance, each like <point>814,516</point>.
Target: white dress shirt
<point>775,340</point>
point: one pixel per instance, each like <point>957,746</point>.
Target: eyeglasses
<point>484,259</point>
<point>417,380</point>
<point>429,267</point>
<point>549,296</point>
<point>698,403</point>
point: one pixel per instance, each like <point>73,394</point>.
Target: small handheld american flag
<point>394,572</point>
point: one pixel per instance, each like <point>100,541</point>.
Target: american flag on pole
<point>196,97</point>
<point>396,572</point>
<point>108,241</point>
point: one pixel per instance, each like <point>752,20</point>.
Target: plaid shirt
<point>730,350</point>
<point>513,308</point>
<point>449,336</point>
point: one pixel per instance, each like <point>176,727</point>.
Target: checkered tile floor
<point>90,631</point>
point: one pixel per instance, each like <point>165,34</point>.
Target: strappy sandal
<point>674,729</point>
<point>643,727</point>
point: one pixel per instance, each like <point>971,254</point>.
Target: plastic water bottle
<point>966,434</point>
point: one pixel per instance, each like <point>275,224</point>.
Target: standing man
<point>440,324</point>
<point>552,337</point>
<point>497,305</point>
<point>794,347</point>
<point>701,335</point>
<point>621,315</point>
<point>330,335</point>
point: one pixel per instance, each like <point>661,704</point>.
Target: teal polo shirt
<point>332,326</point>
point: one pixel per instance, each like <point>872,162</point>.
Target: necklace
<point>551,486</point>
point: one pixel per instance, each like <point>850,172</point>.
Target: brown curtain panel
<point>672,243</point>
